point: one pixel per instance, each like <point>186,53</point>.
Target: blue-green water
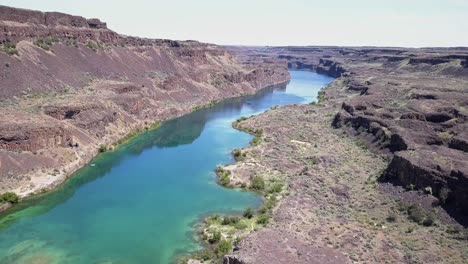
<point>139,203</point>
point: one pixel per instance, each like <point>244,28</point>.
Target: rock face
<point>410,104</point>
<point>70,84</point>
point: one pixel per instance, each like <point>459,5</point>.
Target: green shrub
<point>72,43</point>
<point>239,155</point>
<point>93,45</point>
<point>223,176</point>
<point>241,119</point>
<point>276,188</point>
<point>321,97</point>
<point>230,220</point>
<point>9,48</point>
<point>452,229</point>
<point>206,255</point>
<point>103,148</point>
<point>215,238</point>
<point>429,219</point>
<point>263,219</point>
<point>258,137</point>
<point>241,226</point>
<point>416,214</point>
<point>214,218</point>
<point>10,197</point>
<point>223,248</point>
<point>257,183</point>
<point>248,213</point>
<point>268,205</point>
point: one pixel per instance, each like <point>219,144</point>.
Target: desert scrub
<point>46,43</point>
<point>230,220</point>
<point>276,187</point>
<point>103,148</point>
<point>248,213</point>
<point>258,137</point>
<point>263,219</point>
<point>418,215</point>
<point>93,45</point>
<point>215,237</point>
<point>223,248</point>
<point>321,97</point>
<point>208,105</point>
<point>72,43</point>
<point>9,197</point>
<point>9,48</point>
<point>257,183</point>
<point>268,206</point>
<point>223,176</point>
<point>239,155</point>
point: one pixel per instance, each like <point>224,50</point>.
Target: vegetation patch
<point>9,197</point>
<point>9,48</point>
<point>103,148</point>
<point>258,137</point>
<point>223,176</point>
<point>210,104</point>
<point>249,213</point>
<point>46,43</point>
<point>93,45</point>
<point>239,155</point>
<point>418,215</point>
<point>137,132</point>
<point>321,97</point>
<point>257,183</point>
<point>72,43</point>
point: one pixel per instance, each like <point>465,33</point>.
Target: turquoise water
<point>139,203</point>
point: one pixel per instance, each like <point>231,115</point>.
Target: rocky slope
<point>333,209</point>
<point>376,172</point>
<point>408,104</point>
<point>70,85</point>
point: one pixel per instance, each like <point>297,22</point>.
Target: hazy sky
<point>412,23</point>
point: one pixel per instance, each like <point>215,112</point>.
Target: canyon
<point>70,86</point>
<point>388,135</point>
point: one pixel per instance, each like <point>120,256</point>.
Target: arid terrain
<point>375,172</point>
<point>70,88</point>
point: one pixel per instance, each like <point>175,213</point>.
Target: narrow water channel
<point>139,203</point>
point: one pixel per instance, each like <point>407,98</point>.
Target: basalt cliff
<point>70,86</point>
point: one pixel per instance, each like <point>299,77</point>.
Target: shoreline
<point>337,207</point>
<point>270,200</point>
<point>94,151</point>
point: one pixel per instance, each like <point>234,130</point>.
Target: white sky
<point>409,23</point>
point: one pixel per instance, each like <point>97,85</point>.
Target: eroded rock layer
<point>70,84</point>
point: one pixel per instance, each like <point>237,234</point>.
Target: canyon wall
<point>70,85</point>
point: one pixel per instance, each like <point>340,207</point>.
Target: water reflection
<point>178,131</point>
